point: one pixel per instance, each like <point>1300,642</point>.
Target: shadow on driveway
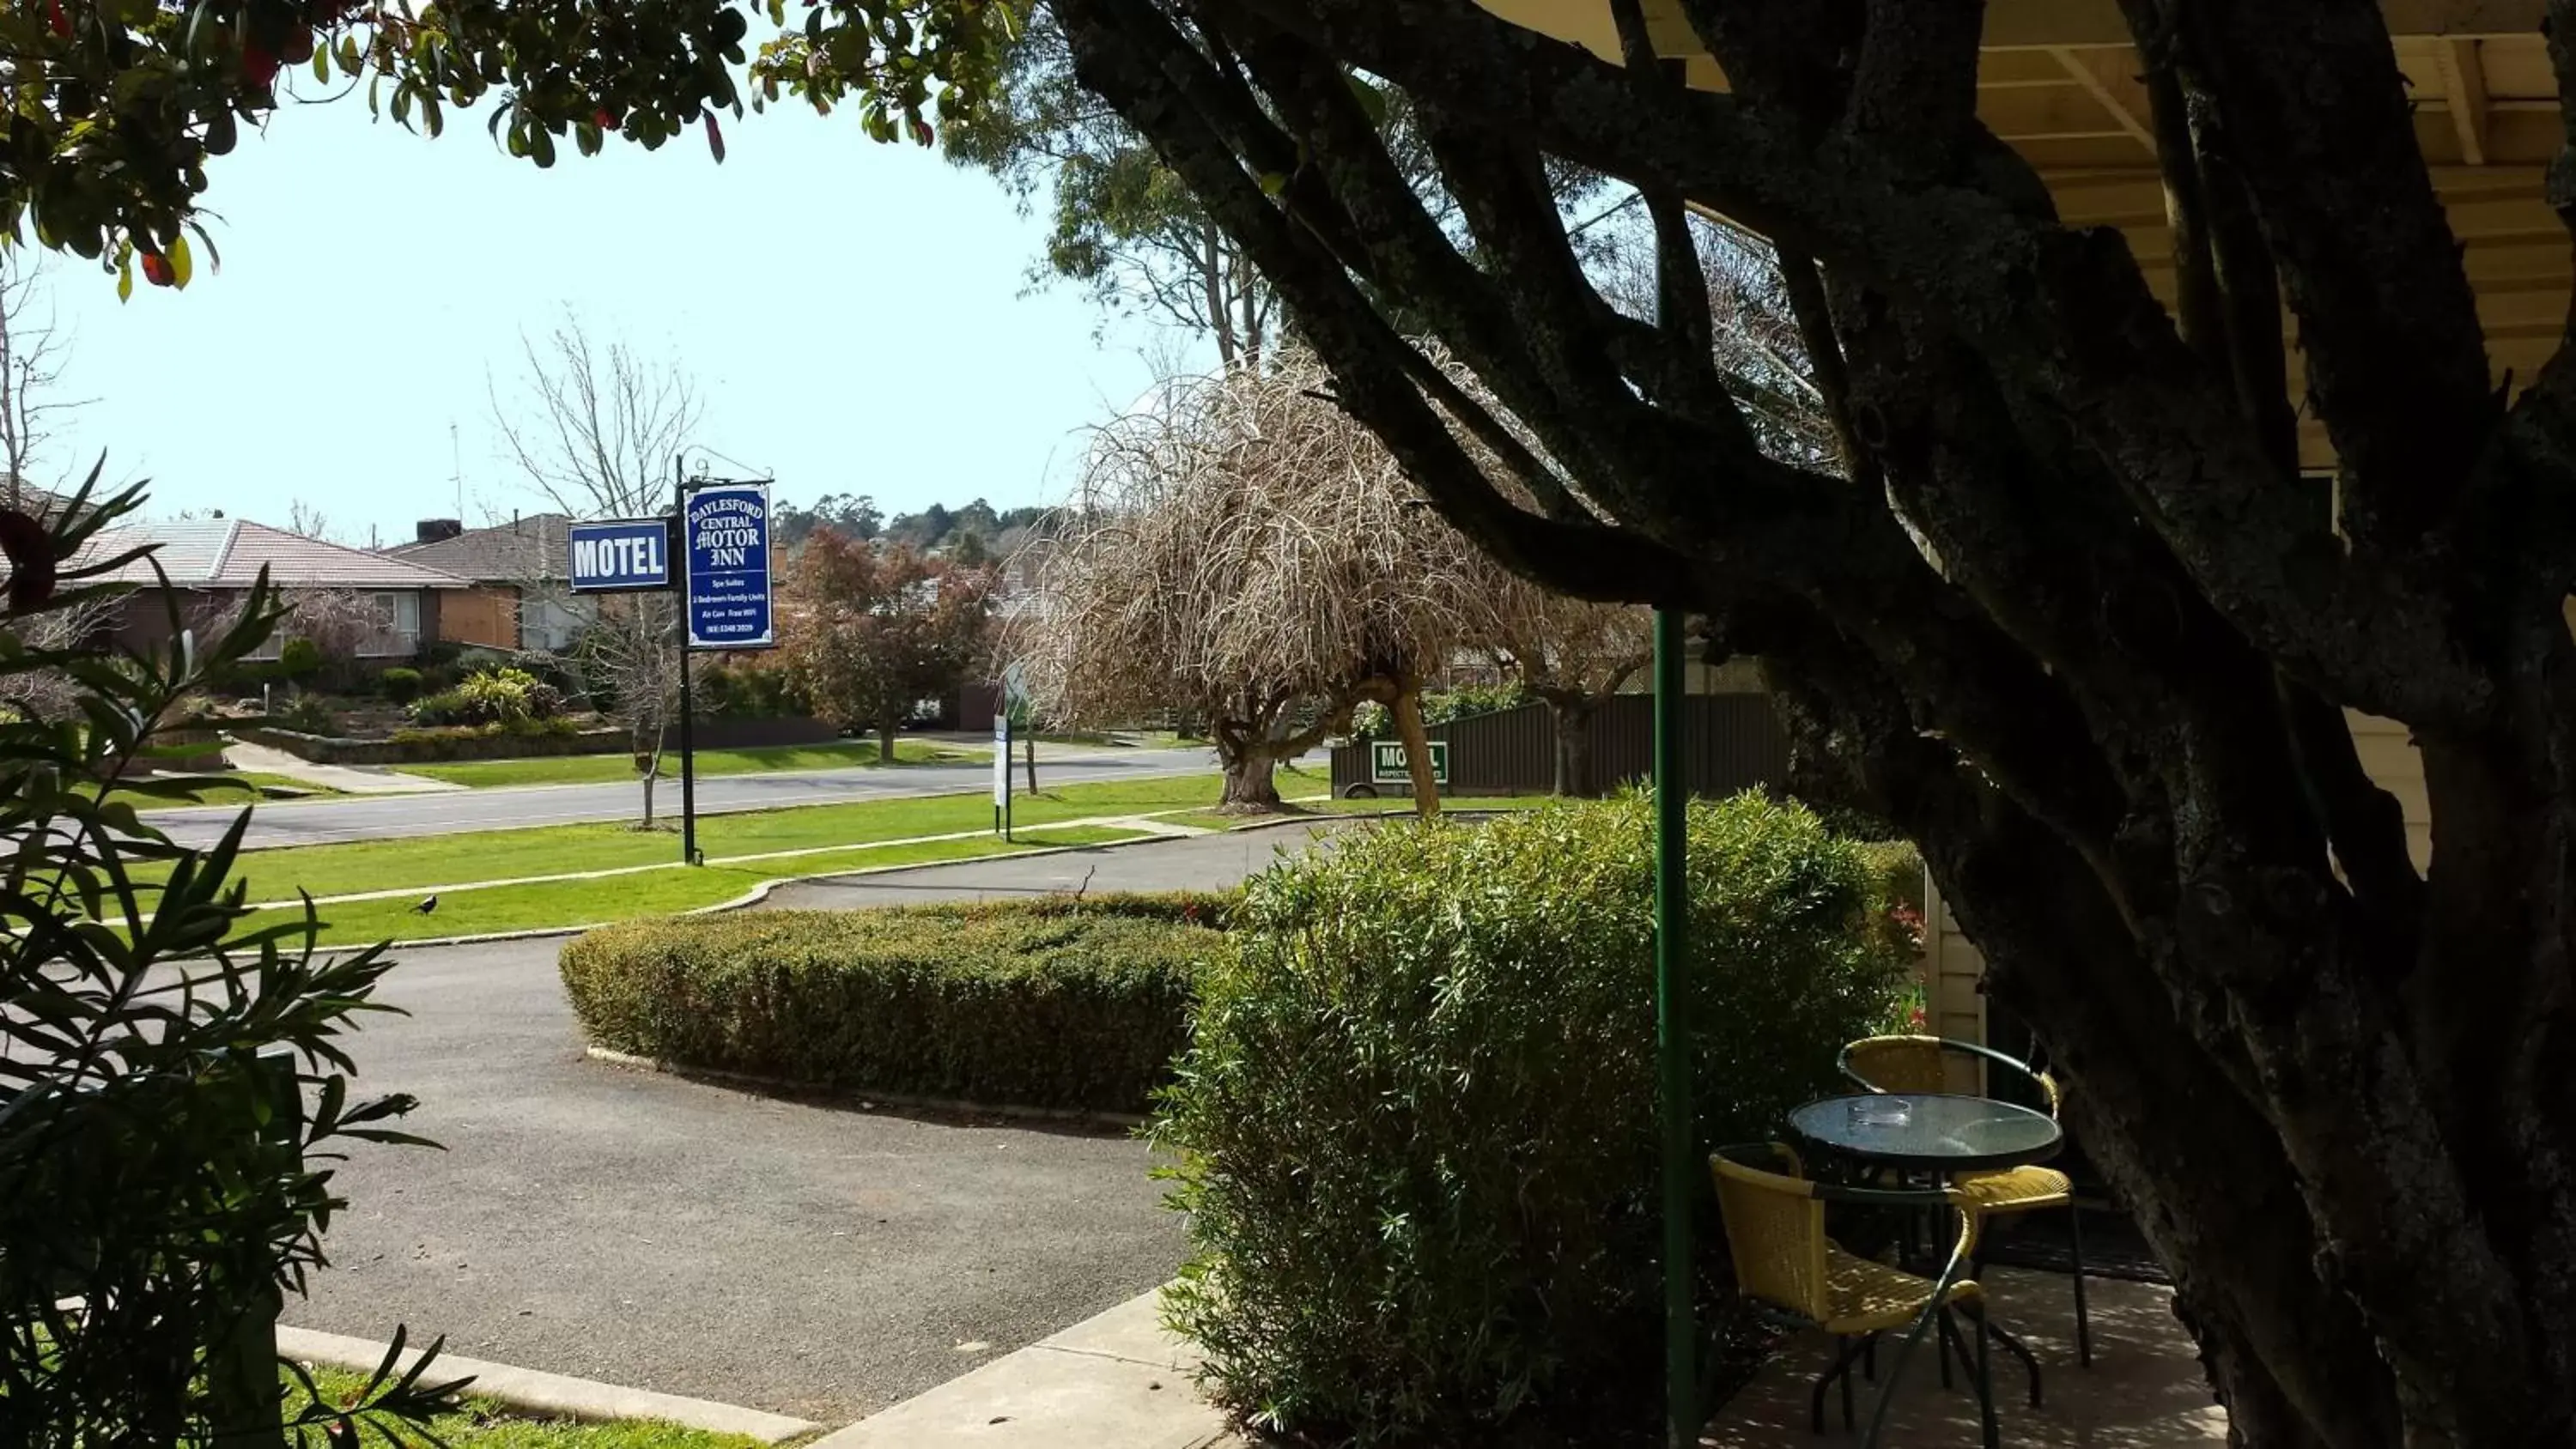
<point>674,1235</point>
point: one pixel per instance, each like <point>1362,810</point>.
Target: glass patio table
<point>1937,1134</point>
<point>1928,1131</point>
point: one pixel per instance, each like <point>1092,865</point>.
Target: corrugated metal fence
<point>1731,742</point>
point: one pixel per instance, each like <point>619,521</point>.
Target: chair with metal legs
<point>1917,1064</point>
<point>1775,1233</point>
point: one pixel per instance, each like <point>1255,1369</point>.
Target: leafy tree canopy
<point>118,104</point>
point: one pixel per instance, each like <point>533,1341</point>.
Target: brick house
<point>516,574</point>
<point>390,606</point>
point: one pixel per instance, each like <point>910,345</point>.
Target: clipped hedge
<point>1417,1127</point>
<point>1050,1003</point>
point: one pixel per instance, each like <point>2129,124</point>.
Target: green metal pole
<point>1683,1176</point>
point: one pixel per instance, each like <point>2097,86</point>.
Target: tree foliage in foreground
<point>2113,714</point>
<point>164,1180</point>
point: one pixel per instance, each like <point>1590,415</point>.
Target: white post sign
<point>1002,774</point>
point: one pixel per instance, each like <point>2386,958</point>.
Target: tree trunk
<point>1571,715</point>
<point>885,744</point>
<point>1032,757</point>
<point>648,766</point>
<point>1249,767</point>
<point>1407,710</point>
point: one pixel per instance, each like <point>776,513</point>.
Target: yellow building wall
<point>1953,967</point>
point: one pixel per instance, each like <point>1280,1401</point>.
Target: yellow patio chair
<point>1775,1232</point>
<point>1918,1064</point>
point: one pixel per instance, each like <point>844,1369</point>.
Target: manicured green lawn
<point>644,893</point>
<point>611,769</point>
<point>1384,805</point>
<point>372,865</point>
<point>1136,739</point>
<point>486,1425</point>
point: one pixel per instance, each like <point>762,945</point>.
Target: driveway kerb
<point>557,1395</point>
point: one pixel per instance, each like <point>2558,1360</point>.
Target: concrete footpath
<point>347,779</point>
<point>1115,1381</point>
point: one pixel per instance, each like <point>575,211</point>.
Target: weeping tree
<point>2066,613</point>
<point>1242,549</point>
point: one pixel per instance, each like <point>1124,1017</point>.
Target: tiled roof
<point>228,553</point>
<point>26,497</point>
<point>525,550</point>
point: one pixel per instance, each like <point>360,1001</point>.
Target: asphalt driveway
<point>646,1230</point>
<point>805,1257</point>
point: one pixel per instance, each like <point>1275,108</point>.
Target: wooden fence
<point>1730,742</point>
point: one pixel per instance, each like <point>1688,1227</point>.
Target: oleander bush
<point>1053,1003</point>
<point>1416,1130</point>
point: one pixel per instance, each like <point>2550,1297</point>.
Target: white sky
<point>854,313</point>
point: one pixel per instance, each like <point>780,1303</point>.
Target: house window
<point>396,621</point>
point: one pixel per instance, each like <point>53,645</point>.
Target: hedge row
<point>1416,1132</point>
<point>1047,1003</point>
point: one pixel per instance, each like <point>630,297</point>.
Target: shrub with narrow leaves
<point>159,1190</point>
<point>1416,1128</point>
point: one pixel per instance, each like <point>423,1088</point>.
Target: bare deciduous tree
<point>594,429</point>
<point>308,519</point>
<point>1241,548</point>
<point>33,352</point>
<point>1573,654</point>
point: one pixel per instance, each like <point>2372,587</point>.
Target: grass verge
<point>486,1425</point>
<point>616,769</point>
<point>237,787</point>
<point>1136,739</point>
<point>555,905</point>
<point>438,860</point>
<point>1216,820</point>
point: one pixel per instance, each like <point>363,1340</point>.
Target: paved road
<point>1203,862</point>
<point>803,1257</point>
<point>316,822</point>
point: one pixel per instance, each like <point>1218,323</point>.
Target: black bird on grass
<point>427,905</point>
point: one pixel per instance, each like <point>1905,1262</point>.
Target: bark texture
<point>1407,709</point>
<point>1569,714</point>
<point>2335,1087</point>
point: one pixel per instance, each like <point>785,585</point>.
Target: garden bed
<point>1061,1004</point>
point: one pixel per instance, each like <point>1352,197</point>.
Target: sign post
<point>723,547</point>
<point>1002,773</point>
